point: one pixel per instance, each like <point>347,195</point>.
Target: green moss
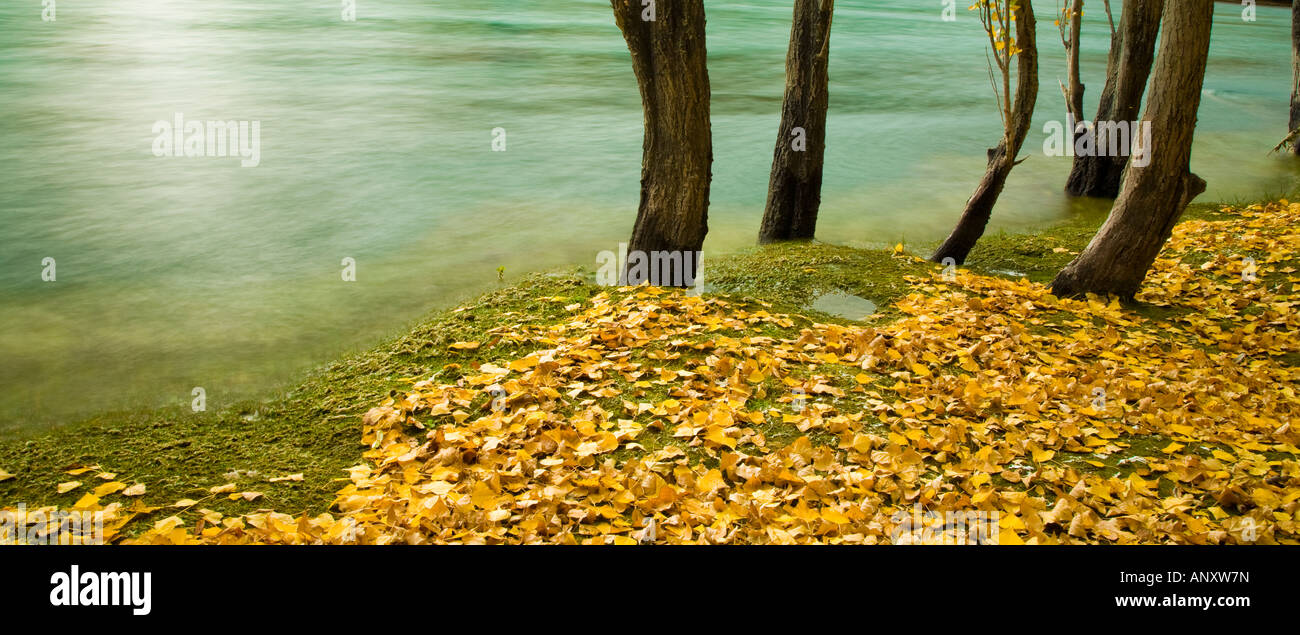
<point>1036,256</point>
<point>791,275</point>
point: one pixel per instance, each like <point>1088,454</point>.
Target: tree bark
<point>970,227</point>
<point>794,188</point>
<point>1132,51</point>
<point>1295,73</point>
<point>1152,197</point>
<point>669,60</point>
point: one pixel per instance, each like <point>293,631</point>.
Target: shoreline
<point>312,429</point>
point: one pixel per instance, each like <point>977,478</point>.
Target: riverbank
<point>176,274</point>
<point>291,452</point>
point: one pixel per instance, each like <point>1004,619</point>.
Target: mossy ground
<point>313,428</point>
<point>1039,255</point>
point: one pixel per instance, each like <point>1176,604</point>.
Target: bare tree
<point>1152,197</point>
<point>1132,51</point>
<point>1011,28</point>
<point>666,40</point>
<point>794,189</point>
<point>1295,73</point>
<point>1071,25</point>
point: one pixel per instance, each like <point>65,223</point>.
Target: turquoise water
<point>376,145</point>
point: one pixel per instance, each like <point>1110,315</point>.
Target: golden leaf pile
<point>650,415</point>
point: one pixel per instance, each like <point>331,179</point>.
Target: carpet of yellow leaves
<point>645,418</point>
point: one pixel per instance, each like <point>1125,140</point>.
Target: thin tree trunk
<point>669,59</point>
<point>979,207</point>
<point>1074,85</point>
<point>1132,51</point>
<point>794,189</point>
<point>970,228</point>
<point>1295,73</point>
<point>1153,197</point>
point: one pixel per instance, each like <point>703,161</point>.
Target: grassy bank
<point>313,429</point>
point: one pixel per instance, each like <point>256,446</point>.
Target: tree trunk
<point>979,207</point>
<point>1132,51</point>
<point>668,57</point>
<point>1295,73</point>
<point>1153,197</point>
<point>1074,86</point>
<point>794,189</point>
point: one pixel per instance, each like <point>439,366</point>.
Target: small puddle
<point>844,305</point>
